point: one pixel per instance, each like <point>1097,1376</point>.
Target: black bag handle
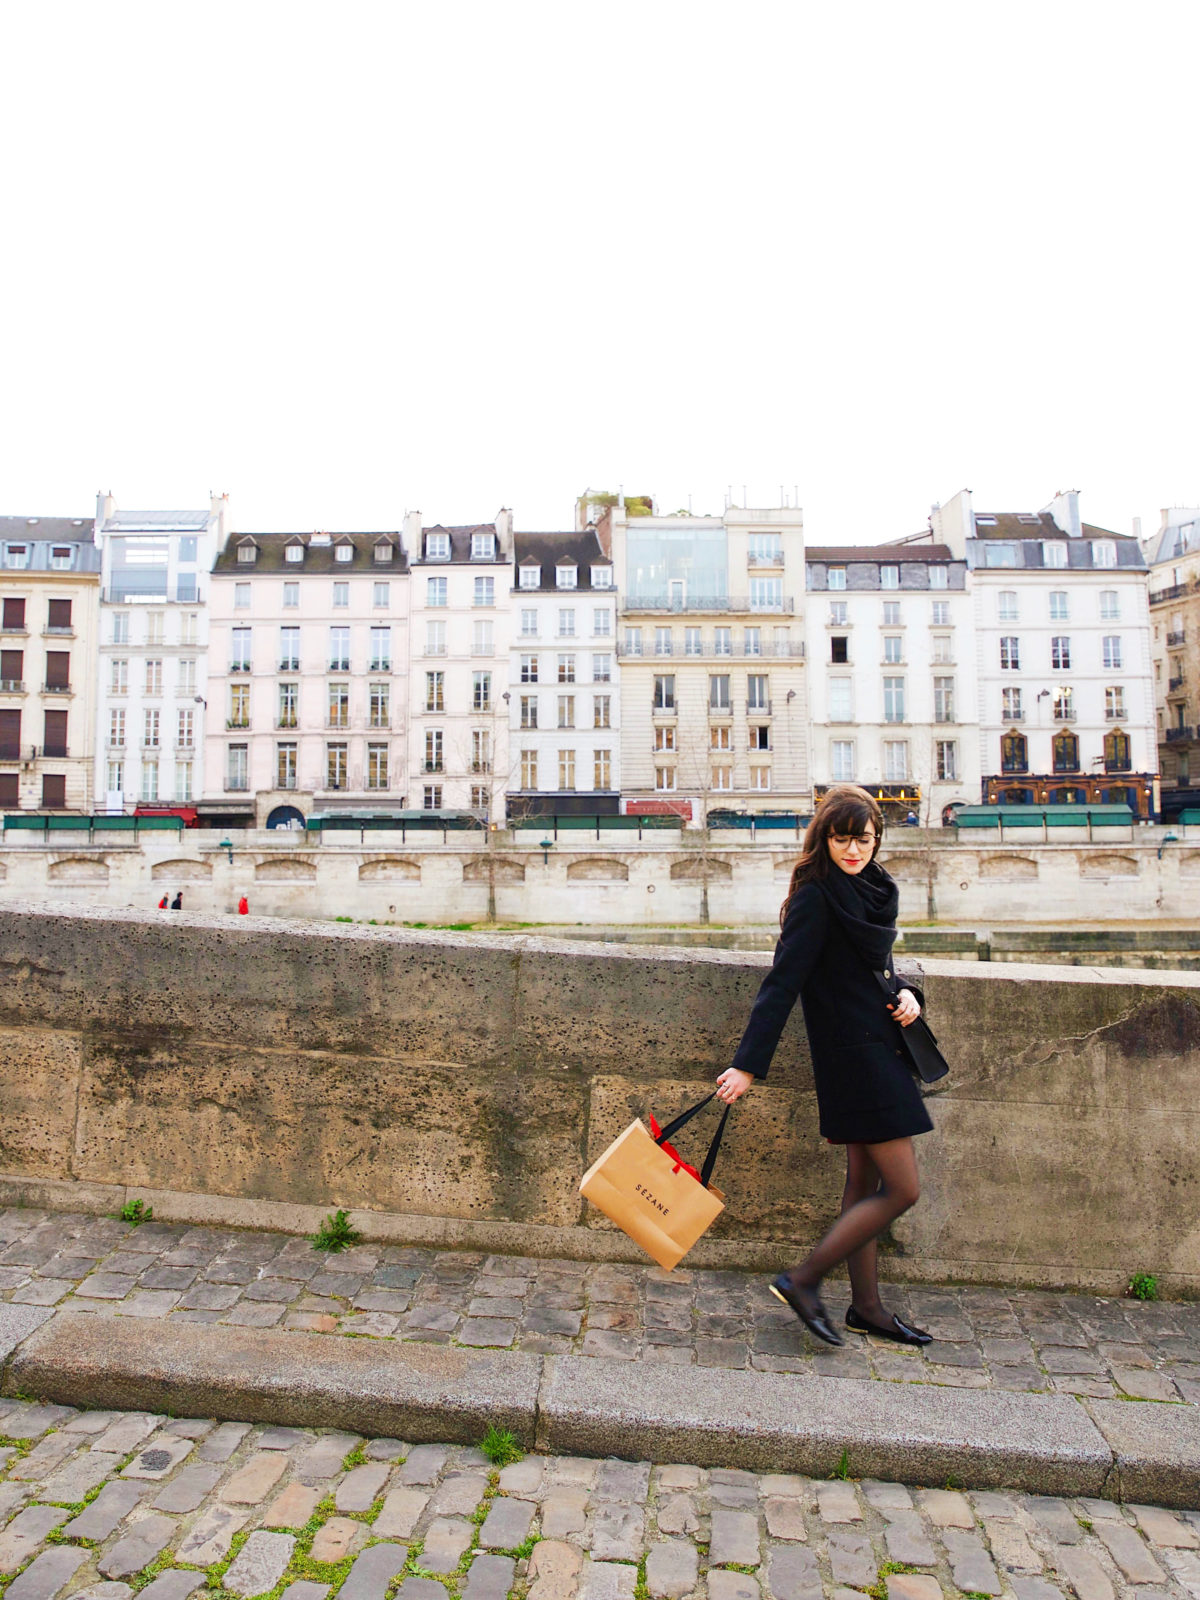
<point>684,1117</point>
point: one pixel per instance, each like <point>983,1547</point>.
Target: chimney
<point>219,506</point>
<point>105,506</point>
<point>604,531</point>
<point>1137,527</point>
<point>412,535</point>
<point>1064,508</point>
<point>504,523</point>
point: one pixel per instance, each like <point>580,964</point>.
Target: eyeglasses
<point>856,838</point>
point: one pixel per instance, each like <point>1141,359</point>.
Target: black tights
<point>881,1184</point>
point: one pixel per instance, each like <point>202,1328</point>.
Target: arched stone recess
<point>910,868</point>
<point>285,869</point>
<point>784,865</point>
<point>182,871</point>
<point>392,869</point>
<point>1108,864</point>
<point>597,869</point>
<point>78,869</point>
<point>692,870</point>
<point>1008,869</point>
<point>503,869</point>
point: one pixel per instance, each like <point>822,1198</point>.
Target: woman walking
<point>838,925</point>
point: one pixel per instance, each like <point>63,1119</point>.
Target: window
<point>289,698</point>
<point>118,681</point>
<point>529,623</point>
<point>752,642</point>
<point>566,622</point>
<point>722,777</point>
<point>289,649</point>
<point>236,762</point>
<point>377,758</point>
<point>662,641</point>
<point>14,615</point>
<point>601,710</point>
<point>154,677</point>
<point>435,592</point>
<point>893,699</point>
<point>943,647</point>
<point>760,777</point>
<point>481,750</point>
<point>479,797</point>
<point>341,596</point>
<point>664,779</point>
<point>239,650</point>
<point>839,700</point>
<point>664,691</point>
<point>241,597</point>
<point>483,546</point>
<point>239,705</point>
<point>381,650</point>
<point>766,594</point>
<point>566,669</point>
<point>529,669</point>
<point>893,647</point>
<point>485,591</point>
<point>718,692</point>
<point>941,614</point>
<point>760,737</point>
<point>939,577</point>
<point>185,730</point>
<point>889,577</point>
<point>60,557</point>
<point>664,738</point>
<point>1066,752</point>
<point>602,579</point>
<point>54,733</point>
<point>435,691</point>
<point>1060,651</point>
<point>841,760</point>
<point>1014,755</point>
<point>186,680</point>
<point>58,619</point>
<point>343,552</point>
<point>1054,553</point>
<point>285,766</point>
<point>602,669</point>
<point>291,597</point>
<point>836,578</point>
<point>12,667</point>
<point>433,797</point>
<point>10,736</point>
<point>529,711</point>
<point>999,555</point>
<point>435,638</point>
<point>720,736</point>
<point>946,756</point>
<point>116,726</point>
<point>566,710</point>
<point>1112,650</point>
<point>1110,605</point>
<point>633,641</point>
<point>943,700</point>
<point>1104,553</point>
<point>891,613</point>
<point>1010,654</point>
<point>483,642</point>
<point>481,691</point>
<point>437,547</point>
<point>765,549</point>
<point>1011,702</point>
<point>339,705</point>
<point>120,627</point>
<point>1116,752</point>
<point>339,649</point>
<point>383,551</point>
<point>293,552</point>
<point>602,769</point>
<point>529,772</point>
<point>379,705</point>
<point>566,577</point>
<point>16,555</point>
<point>566,769</point>
<point>839,650</point>
<point>149,780</point>
<point>692,642</point>
<point>895,760</point>
<point>531,577</point>
<point>1064,703</point>
<point>722,641</point>
<point>1114,703</point>
<point>1059,605</point>
<point>116,783</point>
<point>58,669</point>
<point>758,692</point>
<point>433,750</point>
<point>381,599</point>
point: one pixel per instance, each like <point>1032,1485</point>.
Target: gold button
<point>886,973</point>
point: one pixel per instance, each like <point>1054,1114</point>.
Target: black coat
<point>866,1092</point>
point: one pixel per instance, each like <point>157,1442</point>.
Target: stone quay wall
<point>608,879</point>
<point>457,1086</point>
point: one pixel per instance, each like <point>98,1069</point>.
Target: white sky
<point>344,260</point>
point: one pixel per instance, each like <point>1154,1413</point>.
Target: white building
<point>1174,556</point>
<point>153,645</point>
<point>563,691</point>
<point>308,676</point>
<point>461,617</point>
<point>1062,634</point>
<point>891,675</point>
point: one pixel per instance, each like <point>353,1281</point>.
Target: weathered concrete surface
<point>1156,1448</point>
<point>411,1391</point>
<point>17,1323</point>
<point>470,1080</point>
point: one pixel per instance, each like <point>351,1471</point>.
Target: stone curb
<point>1046,1444</point>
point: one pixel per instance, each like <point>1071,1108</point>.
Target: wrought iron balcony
<point>1177,638</point>
<point>1180,735</point>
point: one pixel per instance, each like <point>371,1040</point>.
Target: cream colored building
<point>49,620</point>
<point>1174,557</point>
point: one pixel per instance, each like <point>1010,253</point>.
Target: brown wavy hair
<point>845,809</point>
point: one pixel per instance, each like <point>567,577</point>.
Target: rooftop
<point>579,550</point>
<point>59,529</point>
<point>319,554</point>
<point>894,553</point>
<point>158,521</point>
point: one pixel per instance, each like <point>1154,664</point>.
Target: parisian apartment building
<point>49,615</point>
<point>1174,556</point>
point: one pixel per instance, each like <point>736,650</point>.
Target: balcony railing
<point>12,686</point>
<point>1180,735</point>
<point>432,766</point>
<point>761,709</point>
<point>786,605</point>
<point>1174,683</point>
<point>239,666</point>
<point>667,708</point>
<point>340,664</point>
<point>1115,714</point>
<point>51,631</point>
<point>481,766</point>
<point>16,752</point>
<point>56,688</point>
<point>290,664</point>
<point>775,559</point>
<point>237,785</point>
<point>1177,638</point>
<point>1012,716</point>
<point>1064,715</point>
<point>13,627</point>
<point>237,722</point>
<point>286,722</point>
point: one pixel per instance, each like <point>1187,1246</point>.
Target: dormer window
<point>531,577</point>
<point>344,552</point>
<point>294,552</point>
<point>60,556</point>
<point>247,552</point>
<point>483,546</point>
<point>383,551</point>
<point>601,577</point>
<point>566,577</point>
<point>1104,553</point>
<point>1054,553</point>
<point>437,547</point>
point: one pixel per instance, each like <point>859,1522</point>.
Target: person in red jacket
<point>243,906</point>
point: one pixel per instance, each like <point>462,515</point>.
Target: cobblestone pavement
<point>984,1338</point>
<point>107,1504</point>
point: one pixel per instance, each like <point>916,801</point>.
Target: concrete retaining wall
<point>472,1079</point>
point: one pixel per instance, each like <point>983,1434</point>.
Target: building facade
<point>1174,557</point>
<point>564,712</point>
<point>308,676</point>
<point>714,701</point>
<point>891,674</point>
<point>49,610</point>
<point>151,694</point>
<point>1062,635</point>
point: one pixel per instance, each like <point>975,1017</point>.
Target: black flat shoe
<point>898,1332</point>
<point>806,1303</point>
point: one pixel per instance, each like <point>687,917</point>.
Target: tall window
<point>602,669</point>
<point>379,705</point>
<point>891,613</point>
<point>289,695</point>
<point>839,700</point>
<point>435,638</point>
<point>377,766</point>
<point>566,669</point>
<point>186,680</point>
<point>381,599</point>
<point>241,599</point>
<point>765,549</point>
<point>529,622</point>
<point>566,577</point>
<point>1060,651</point>
<point>566,622</point>
<point>120,627</point>
<point>720,736</point>
<point>601,622</point>
<point>285,766</point>
<point>481,691</point>
<point>149,780</point>
<point>722,777</point>
<point>485,591</point>
<point>116,727</point>
<point>185,730</point>
<point>289,649</point>
<point>566,769</point>
<point>836,578</point>
<point>893,699</point>
<point>893,647</point>
<point>1059,605</point>
<point>1011,707</point>
<point>236,767</point>
<point>1110,605</point>
<point>1112,650</point>
<point>718,692</point>
<point>381,650</point>
<point>664,738</point>
<point>239,650</point>
<point>566,710</point>
<point>941,614</point>
<point>433,797</point>
<point>752,642</point>
<point>341,596</point>
<point>339,705</point>
<point>336,767</point>
<point>529,769</point>
<point>339,649</point>
<point>529,669</point>
<point>156,624</point>
<point>664,779</point>
<point>531,577</point>
<point>1006,605</point>
<point>1114,703</point>
<point>1104,553</point>
<point>758,692</point>
<point>1064,703</point>
<point>154,677</point>
<point>601,711</point>
<point>481,750</point>
<point>947,760</point>
<point>1010,654</point>
<point>183,780</point>
<point>189,630</point>
<point>662,641</point>
<point>1066,752</point>
<point>433,750</point>
<point>1054,553</point>
<point>943,699</point>
<point>889,577</point>
<point>766,594</point>
<point>692,643</point>
<point>435,691</point>
<point>529,711</point>
<point>483,546</point>
<point>482,638</point>
<point>841,760</point>
<point>722,641</point>
<point>943,647</point>
<point>939,577</point>
<point>633,641</point>
<point>239,705</point>
<point>435,592</point>
<point>1014,753</point>
<point>664,691</point>
<point>291,596</point>
<point>1116,753</point>
<point>602,769</point>
<point>895,760</point>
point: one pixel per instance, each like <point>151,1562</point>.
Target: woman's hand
<point>904,1008</point>
<point>732,1085</point>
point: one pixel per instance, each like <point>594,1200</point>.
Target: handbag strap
<point>678,1122</point>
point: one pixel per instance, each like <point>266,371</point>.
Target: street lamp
<point>227,846</point>
<point>545,846</point>
<point>1169,838</point>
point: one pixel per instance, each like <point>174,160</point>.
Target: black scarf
<point>865,904</point>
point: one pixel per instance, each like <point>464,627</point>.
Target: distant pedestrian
<point>243,906</point>
<point>163,903</point>
<point>177,903</point>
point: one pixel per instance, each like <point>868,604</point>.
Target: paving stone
<point>322,1459</point>
<point>1144,1385</point>
<point>676,1513</point>
<point>913,1586</point>
<point>304,1590</point>
<point>90,1422</point>
<point>41,1292</point>
<point>785,1517</point>
<point>208,1540</point>
<point>837,1502</point>
<point>190,1427</point>
<point>791,1573</point>
<point>507,1524</point>
<point>1085,1574</point>
<point>72,1482</point>
<point>1035,1589</point>
<point>400,1513</point>
<point>1130,1551</point>
<point>106,1512</point>
<point>188,1490</point>
<point>48,1575</point>
<point>260,1563</point>
<point>25,1532</point>
<point>424,1464</point>
<point>336,1538</point>
<point>1011,1549</point>
<point>907,1540</point>
<point>734,1538</point>
<point>445,1541</point>
<point>106,1286</point>
<point>373,1571</point>
<point>489,1578</point>
<point>421,1589</point>
<point>851,1558</point>
<point>886,1497</point>
<point>256,1479</point>
<point>292,1507</point>
<point>176,1584</point>
<point>608,1580</point>
<point>1165,1528</point>
<point>137,1548</point>
<point>522,1477</point>
<point>127,1432</point>
<point>44,1457</point>
<point>946,1508</point>
<point>994,1506</point>
<point>616,1531</point>
<point>109,1590</point>
<point>1056,1517</point>
<point>459,1494</point>
<point>223,1441</point>
<point>554,1570</point>
<point>672,1568</point>
<point>623,1480</point>
<point>362,1486</point>
<point>972,1567</point>
<point>158,1457</point>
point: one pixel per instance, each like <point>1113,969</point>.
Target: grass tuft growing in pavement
<point>501,1447</point>
<point>842,1470</point>
<point>1142,1286</point>
<point>878,1590</point>
<point>136,1212</point>
<point>335,1233</point>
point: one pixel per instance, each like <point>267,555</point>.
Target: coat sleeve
<point>800,944</point>
<point>911,978</point>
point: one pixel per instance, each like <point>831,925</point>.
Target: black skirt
<point>867,1094</point>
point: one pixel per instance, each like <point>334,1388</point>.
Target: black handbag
<point>919,1041</point>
